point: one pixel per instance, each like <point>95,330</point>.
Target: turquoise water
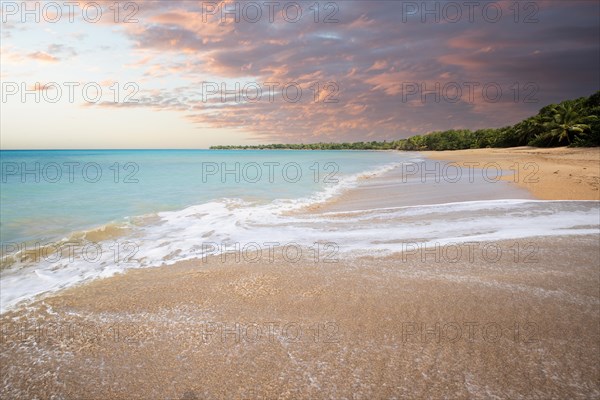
<point>47,195</point>
<point>109,211</point>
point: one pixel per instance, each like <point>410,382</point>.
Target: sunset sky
<point>366,57</point>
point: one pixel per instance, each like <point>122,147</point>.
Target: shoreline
<point>560,173</point>
<point>446,319</point>
<point>376,327</point>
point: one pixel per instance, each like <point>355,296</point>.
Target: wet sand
<point>526,325</point>
<point>552,174</point>
<point>444,323</point>
<point>414,183</point>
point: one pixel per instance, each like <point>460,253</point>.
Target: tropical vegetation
<point>570,123</point>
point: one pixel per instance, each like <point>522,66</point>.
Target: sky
<point>191,74</point>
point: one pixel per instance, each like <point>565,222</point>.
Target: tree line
<point>571,123</point>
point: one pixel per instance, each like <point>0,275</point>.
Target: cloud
<point>43,57</point>
<point>38,87</point>
<point>67,51</point>
<point>370,55</point>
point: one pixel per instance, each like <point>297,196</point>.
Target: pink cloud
<point>43,57</point>
<point>370,54</point>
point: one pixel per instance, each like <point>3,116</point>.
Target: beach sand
<point>552,174</point>
<point>452,322</point>
<point>367,328</point>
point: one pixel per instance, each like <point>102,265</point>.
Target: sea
<point>71,216</point>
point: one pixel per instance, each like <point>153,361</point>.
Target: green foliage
<point>570,123</point>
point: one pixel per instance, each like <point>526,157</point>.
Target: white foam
<point>192,232</point>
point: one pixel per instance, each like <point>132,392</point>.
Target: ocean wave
<point>194,232</point>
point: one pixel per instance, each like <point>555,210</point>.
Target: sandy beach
<point>365,328</point>
<point>470,315</point>
<point>228,200</point>
<point>549,174</point>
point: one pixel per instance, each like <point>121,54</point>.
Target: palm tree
<point>528,129</point>
<point>565,122</point>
